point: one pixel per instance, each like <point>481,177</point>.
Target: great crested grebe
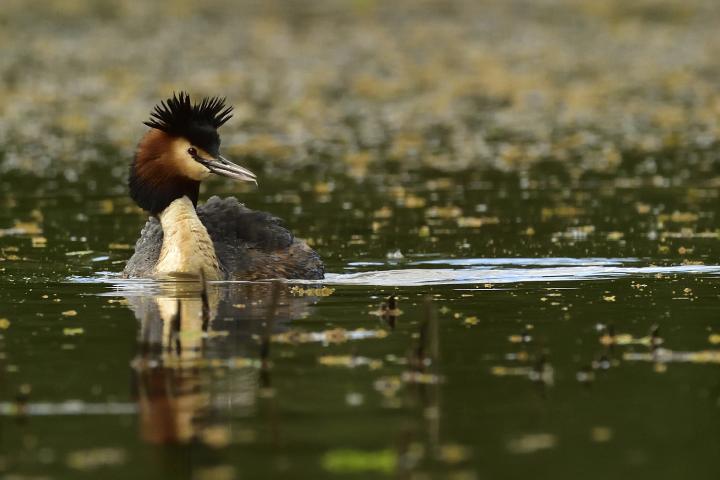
<point>220,240</point>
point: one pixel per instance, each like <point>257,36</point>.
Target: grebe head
<point>181,149</point>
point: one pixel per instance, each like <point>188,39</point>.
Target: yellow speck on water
<point>312,292</point>
<point>531,443</point>
<point>412,201</point>
<point>119,246</point>
<point>642,208</point>
<point>600,434</point>
<point>239,306</point>
<point>424,231</point>
<point>349,361</point>
<point>383,212</point>
<point>714,338</point>
<point>21,228</point>
<point>106,206</point>
<point>453,453</point>
<point>660,368</point>
<point>609,298</point>
<point>37,215</point>
<point>323,187</point>
<point>476,222</point>
<point>78,253</point>
<point>4,323</point>
<point>336,335</point>
<point>679,217</point>
<point>71,332</point>
<point>69,313</point>
<point>443,212</point>
<point>39,242</point>
<point>216,436</point>
<point>95,458</point>
<point>119,301</point>
<point>470,321</point>
<point>563,211</point>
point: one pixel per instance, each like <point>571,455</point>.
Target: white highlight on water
<point>466,271</point>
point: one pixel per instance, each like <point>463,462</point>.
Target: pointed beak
<point>226,168</point>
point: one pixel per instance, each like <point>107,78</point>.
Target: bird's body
<point>246,245</point>
<point>220,240</point>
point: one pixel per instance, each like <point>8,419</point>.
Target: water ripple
<point>471,271</point>
<point>482,270</point>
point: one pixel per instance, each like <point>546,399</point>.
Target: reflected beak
<point>226,168</point>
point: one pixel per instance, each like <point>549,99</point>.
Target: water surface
<point>531,332</point>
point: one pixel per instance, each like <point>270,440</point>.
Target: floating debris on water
<point>312,292</point>
<point>388,308</point>
<point>601,434</point>
<point>611,338</point>
<point>541,372</point>
<point>142,363</point>
<point>586,376</point>
<point>349,361</point>
<point>395,255</point>
<point>476,222</point>
<point>70,407</point>
<point>453,453</point>
<point>524,337</point>
<point>531,443</point>
<point>95,458</point>
<point>336,335</point>
<point>21,228</point>
<point>354,399</point>
<point>79,253</point>
<point>663,355</point>
<point>388,386</point>
<point>39,242</point>
<point>421,378</point>
<point>216,436</point>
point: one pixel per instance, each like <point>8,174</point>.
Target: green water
<point>535,183</point>
<point>499,364</point>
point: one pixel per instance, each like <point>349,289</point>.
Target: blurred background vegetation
<point>571,87</point>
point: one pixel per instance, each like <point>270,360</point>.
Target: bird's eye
<point>192,151</point>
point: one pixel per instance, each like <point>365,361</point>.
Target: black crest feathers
<point>198,122</point>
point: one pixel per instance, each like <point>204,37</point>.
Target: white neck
<point>187,248</point>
